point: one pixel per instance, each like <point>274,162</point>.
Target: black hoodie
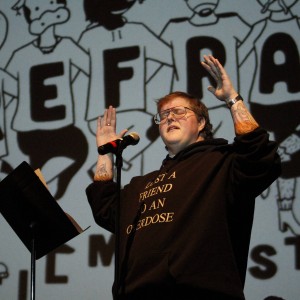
<point>189,223</point>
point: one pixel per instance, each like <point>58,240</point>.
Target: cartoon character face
<point>202,7</point>
<point>276,5</point>
<point>42,14</point>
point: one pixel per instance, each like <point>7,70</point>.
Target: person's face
<point>178,133</point>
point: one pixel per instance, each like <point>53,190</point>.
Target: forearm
<point>104,168</point>
<point>225,91</point>
<point>102,199</point>
<point>242,119</point>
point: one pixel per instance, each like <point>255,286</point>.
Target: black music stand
<point>34,215</point>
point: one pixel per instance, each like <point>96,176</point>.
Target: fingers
<point>98,123</point>
<point>210,67</point>
<point>213,66</point>
<point>107,123</point>
<point>122,133</point>
<point>109,117</point>
<point>211,89</point>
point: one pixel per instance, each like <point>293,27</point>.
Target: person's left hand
<point>224,89</point>
<point>106,127</point>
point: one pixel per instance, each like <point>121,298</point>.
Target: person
<point>185,228</point>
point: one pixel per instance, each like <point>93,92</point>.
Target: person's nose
<point>170,117</point>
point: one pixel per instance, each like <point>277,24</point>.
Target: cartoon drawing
<point>8,87</point>
<point>45,119</point>
<point>121,54</point>
<point>3,29</point>
<point>62,62</point>
<point>199,34</point>
<point>275,95</point>
<point>3,272</point>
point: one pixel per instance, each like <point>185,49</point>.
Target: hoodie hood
<point>202,146</point>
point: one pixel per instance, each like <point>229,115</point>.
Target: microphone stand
<point>119,165</point>
<point>33,226</point>
<point>117,149</point>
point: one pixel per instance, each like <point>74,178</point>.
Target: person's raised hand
<point>106,127</point>
<point>224,88</point>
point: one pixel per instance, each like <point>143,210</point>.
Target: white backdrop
<point>62,66</point>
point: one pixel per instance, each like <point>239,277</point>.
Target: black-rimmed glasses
<point>178,112</point>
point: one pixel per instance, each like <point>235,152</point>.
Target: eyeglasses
<point>178,112</point>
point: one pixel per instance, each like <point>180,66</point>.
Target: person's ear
<point>201,124</point>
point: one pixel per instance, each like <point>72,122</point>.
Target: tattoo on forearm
<point>243,120</point>
<point>102,173</point>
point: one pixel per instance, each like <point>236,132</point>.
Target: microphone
<point>119,144</point>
